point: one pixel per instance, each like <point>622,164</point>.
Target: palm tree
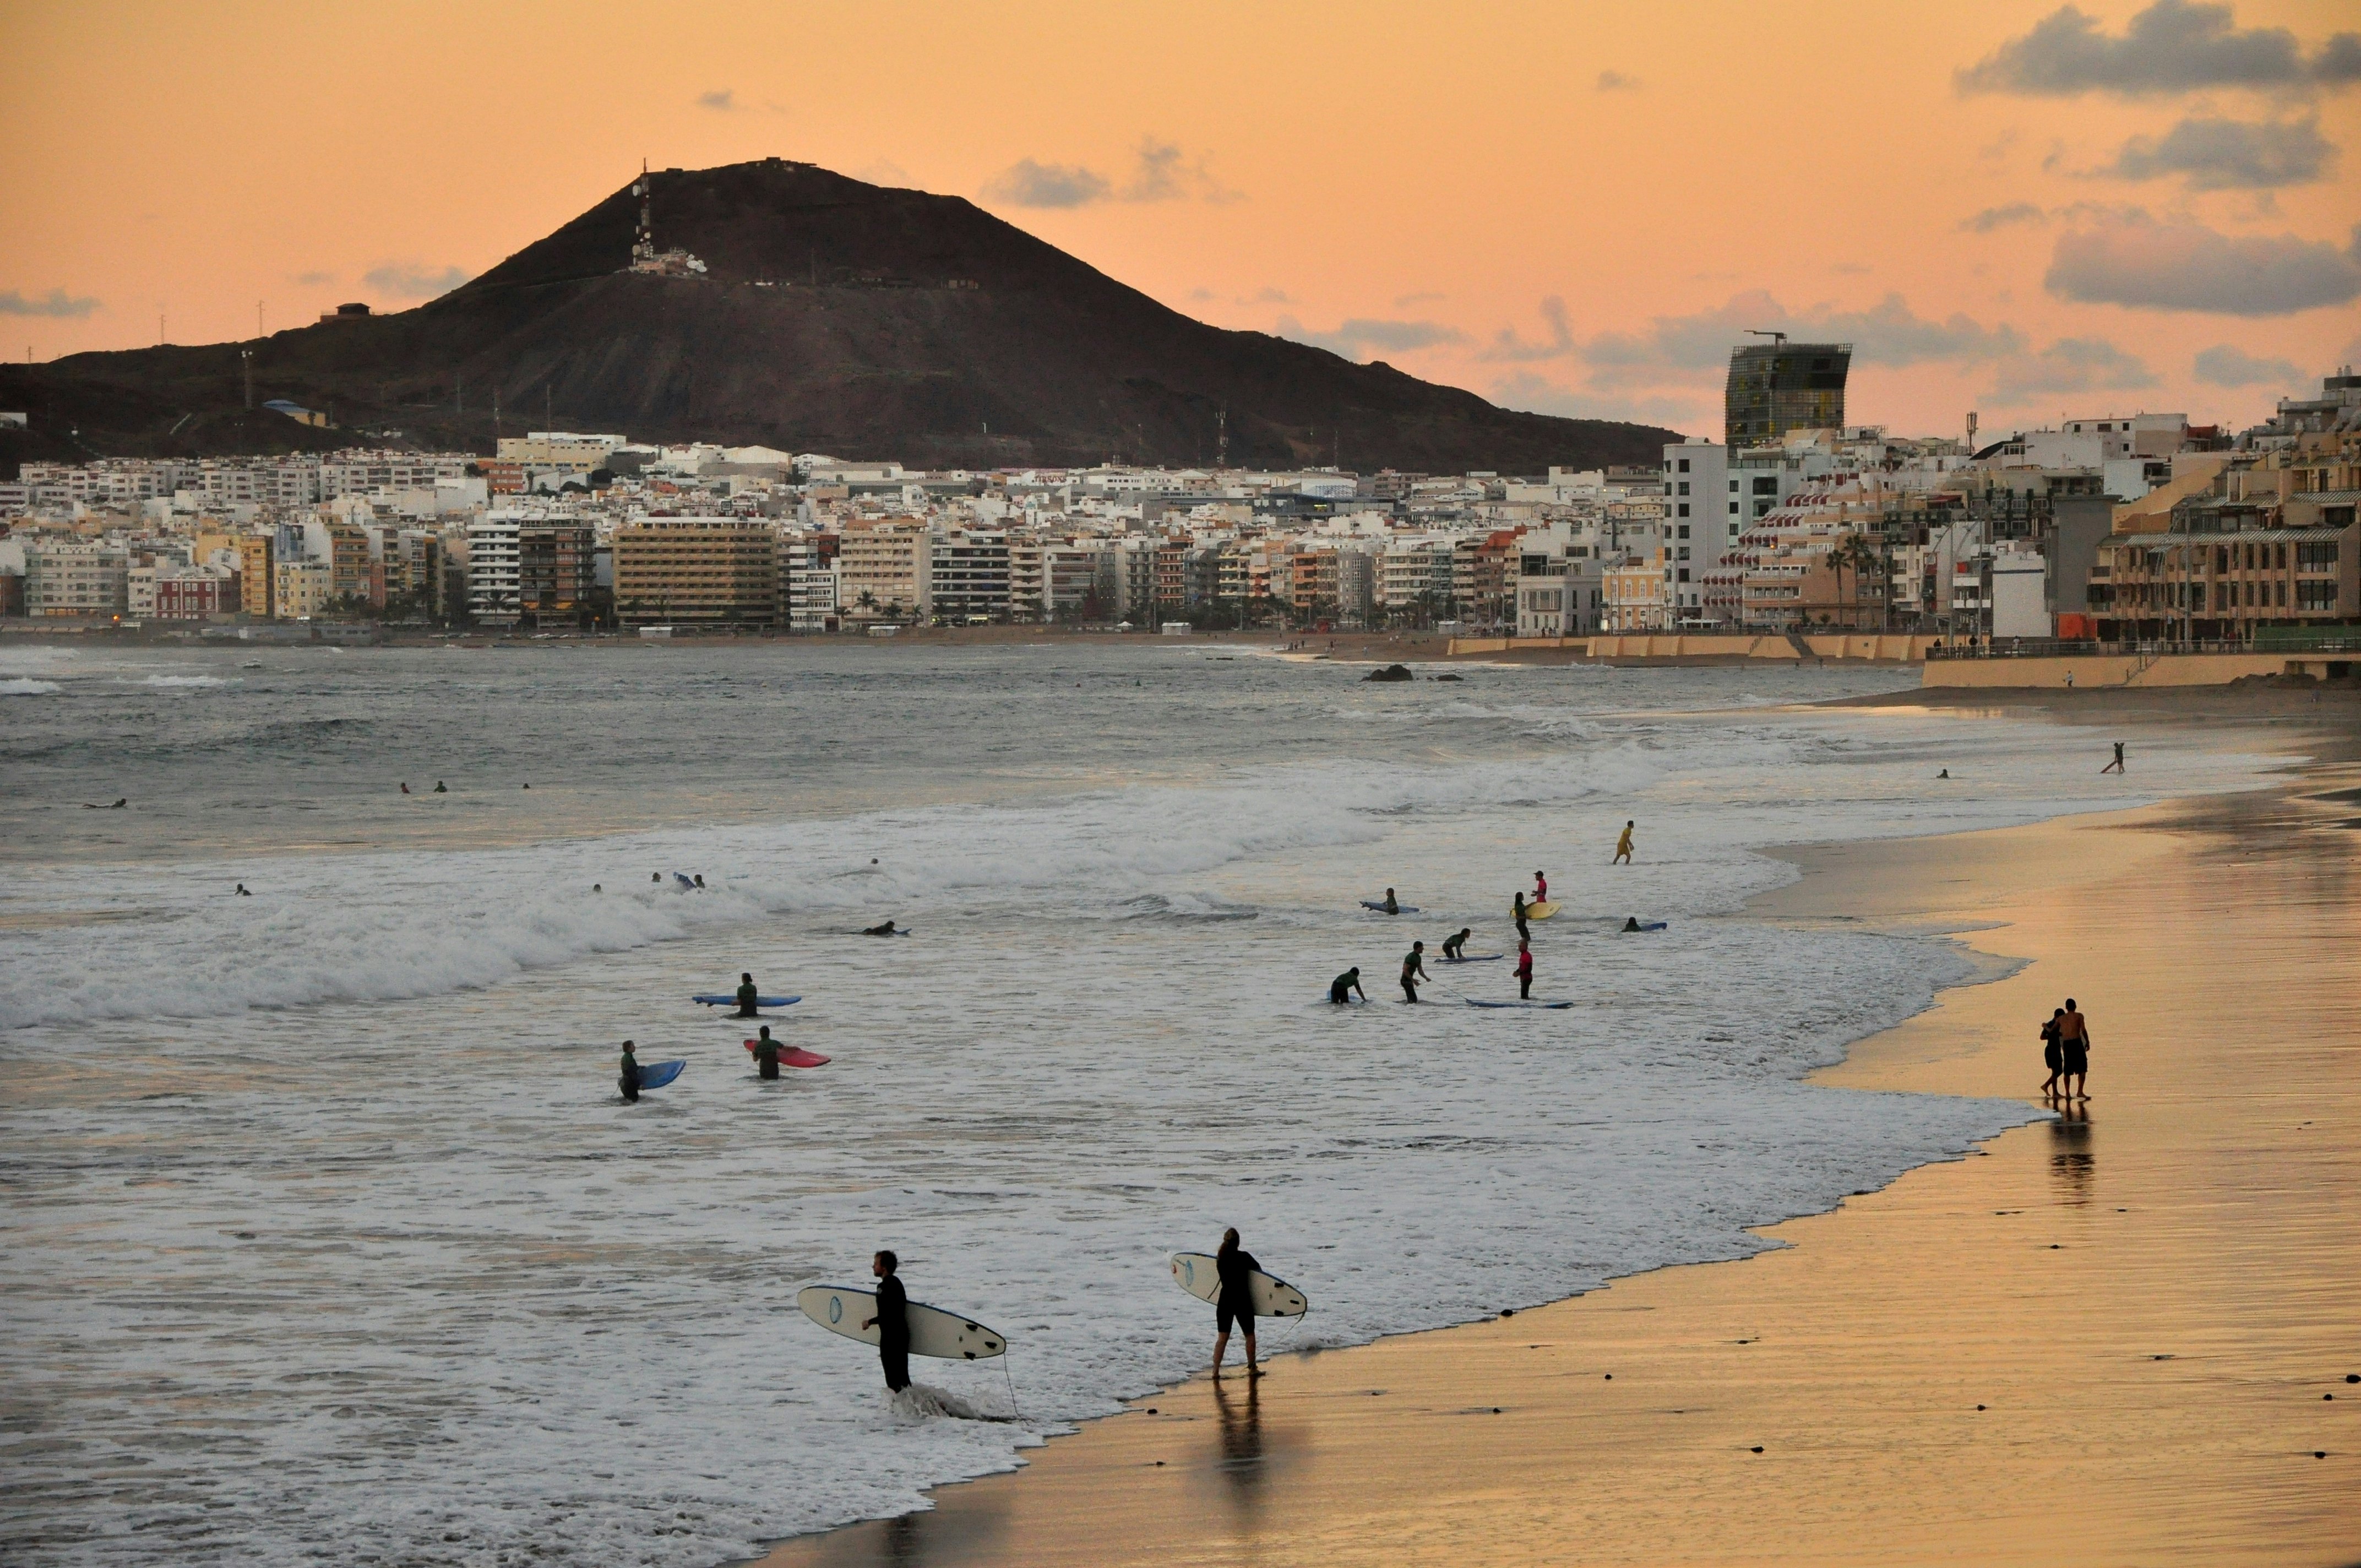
<point>866,602</point>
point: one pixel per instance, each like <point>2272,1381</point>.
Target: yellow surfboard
<point>1539,911</point>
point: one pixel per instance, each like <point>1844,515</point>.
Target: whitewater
<point>329,1238</point>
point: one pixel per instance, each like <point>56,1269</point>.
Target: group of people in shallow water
<point>2066,1051</point>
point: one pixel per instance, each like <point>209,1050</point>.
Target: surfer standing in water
<point>1341,989</point>
<point>630,1080</point>
<point>1623,846</point>
<point>1541,888</point>
<point>766,1054</point>
<point>1517,913</point>
<point>1235,1303</point>
<point>892,1322</point>
<point>1413,970</point>
<point>747,997</point>
<point>1524,969</point>
<point>1392,905</point>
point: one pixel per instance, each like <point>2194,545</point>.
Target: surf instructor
<point>1238,1269</point>
<point>892,1322</point>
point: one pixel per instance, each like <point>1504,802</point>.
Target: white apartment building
<point>1413,572</point>
<point>495,568</point>
<point>808,582</point>
<point>76,579</point>
<point>559,449</point>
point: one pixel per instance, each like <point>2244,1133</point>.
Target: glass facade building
<point>1778,387</point>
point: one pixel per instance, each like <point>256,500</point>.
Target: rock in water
<point>1391,672</point>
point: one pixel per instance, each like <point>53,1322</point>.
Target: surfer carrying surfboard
<point>892,1322</point>
<point>1238,1269</point>
<point>748,996</point>
<point>629,1079</point>
<point>766,1053</point>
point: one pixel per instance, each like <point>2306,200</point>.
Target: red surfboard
<point>795,1055</point>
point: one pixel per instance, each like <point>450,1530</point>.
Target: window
<point>2280,598</point>
<point>1684,469</point>
<point>1733,487</point>
<point>1685,508</point>
<point>1684,573</point>
<point>1685,527</point>
<point>2319,595</point>
<point>1766,485</point>
<point>1733,511</point>
<point>2316,555</point>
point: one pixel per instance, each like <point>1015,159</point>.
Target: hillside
<point>834,316</point>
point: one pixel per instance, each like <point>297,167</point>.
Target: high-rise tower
<point>1779,386</point>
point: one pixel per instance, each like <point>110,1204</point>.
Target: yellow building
<point>259,583</point>
<point>301,589</point>
<point>688,570</point>
<point>886,571</point>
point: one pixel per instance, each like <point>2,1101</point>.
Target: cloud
<point>414,280</point>
<point>1161,172</point>
<point>1508,346</point>
<point>1026,183</point>
<point>2220,155</point>
<point>721,98</point>
<point>1423,297</point>
<point>2070,364</point>
<point>2174,45</point>
<point>2224,366</point>
<point>56,302</point>
<point>2184,266</point>
<point>1616,81</point>
<point>313,280</point>
<point>1357,338</point>
<point>1992,218</point>
<point>1267,296</point>
<point>1888,333</point>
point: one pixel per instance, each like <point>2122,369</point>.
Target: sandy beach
<point>2119,1336</point>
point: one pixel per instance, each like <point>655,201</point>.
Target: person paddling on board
<point>747,996</point>
<point>1632,923</point>
<point>1524,969</point>
<point>766,1054</point>
<point>440,788</point>
<point>630,1080</point>
<point>1413,970</point>
<point>1517,913</point>
<point>242,892</point>
<point>1340,990</point>
<point>1391,905</point>
<point>892,1322</point>
<point>1238,1269</point>
<point>1623,846</point>
<point>885,930</point>
<point>1456,947</point>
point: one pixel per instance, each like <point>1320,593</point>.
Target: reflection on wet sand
<point>2072,1163</point>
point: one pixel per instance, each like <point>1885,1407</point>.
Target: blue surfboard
<point>717,999</point>
<point>684,881</point>
<point>1474,958</point>
<point>1547,1006</point>
<point>657,1074</point>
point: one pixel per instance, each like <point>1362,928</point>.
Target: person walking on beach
<point>2117,766</point>
<point>1524,969</point>
<point>2052,1052</point>
<point>629,1079</point>
<point>1455,947</point>
<point>1341,989</point>
<point>1413,970</point>
<point>2073,1051</point>
<point>892,1322</point>
<point>1623,846</point>
<point>766,1054</point>
<point>1238,1269</point>
<point>747,997</point>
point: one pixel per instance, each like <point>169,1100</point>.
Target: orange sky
<point>2171,198</point>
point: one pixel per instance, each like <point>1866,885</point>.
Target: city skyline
<point>2024,210</point>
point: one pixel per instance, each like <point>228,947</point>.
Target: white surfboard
<point>1196,1273</point>
<point>841,1309</point>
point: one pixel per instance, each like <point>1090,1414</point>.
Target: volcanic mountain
<point>829,315</point>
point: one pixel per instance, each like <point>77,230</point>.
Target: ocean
<point>329,1238</point>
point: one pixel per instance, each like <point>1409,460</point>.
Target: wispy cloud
<point>414,280</point>
<point>1616,81</point>
<point>1161,172</point>
<point>722,100</point>
<point>1992,218</point>
<point>2182,265</point>
<point>2225,365</point>
<point>2222,154</point>
<point>2070,364</point>
<point>313,280</point>
<point>1027,183</point>
<point>1359,337</point>
<point>56,302</point>
<point>1510,346</point>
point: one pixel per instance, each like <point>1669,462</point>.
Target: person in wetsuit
<point>1236,1268</point>
<point>1392,905</point>
<point>1456,947</point>
<point>630,1080</point>
<point>747,996</point>
<point>766,1054</point>
<point>1341,989</point>
<point>1413,970</point>
<point>1517,913</point>
<point>885,930</point>
<point>892,1322</point>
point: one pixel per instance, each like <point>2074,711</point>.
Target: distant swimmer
<point>766,1054</point>
<point>595,888</point>
<point>892,1322</point>
<point>1341,989</point>
<point>2117,766</point>
<point>1414,971</point>
<point>630,1080</point>
<point>1623,846</point>
<point>1541,888</point>
<point>1517,913</point>
<point>242,892</point>
<point>1392,905</point>
<point>405,788</point>
<point>700,879</point>
<point>1632,923</point>
<point>1524,969</point>
<point>439,788</point>
<point>1456,947</point>
<point>1944,774</point>
<point>885,930</point>
<point>1238,1269</point>
<point>528,786</point>
<point>747,997</point>
<point>655,877</point>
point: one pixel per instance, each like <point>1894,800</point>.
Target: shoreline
<point>1892,1357</point>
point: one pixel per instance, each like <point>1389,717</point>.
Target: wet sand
<point>2118,1337</point>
